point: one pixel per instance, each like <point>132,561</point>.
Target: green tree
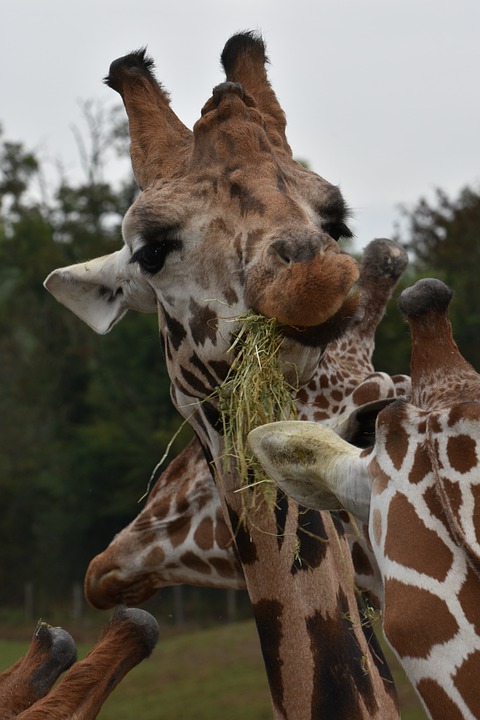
<point>83,419</point>
<point>443,240</point>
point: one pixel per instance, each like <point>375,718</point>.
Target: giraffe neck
<point>425,568</point>
<point>300,579</point>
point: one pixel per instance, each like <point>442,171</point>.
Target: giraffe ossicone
<point>421,485</point>
<point>51,652</point>
<point>227,221</point>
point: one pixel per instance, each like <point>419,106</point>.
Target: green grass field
<point>204,675</point>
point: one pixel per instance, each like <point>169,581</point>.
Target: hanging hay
<point>254,392</point>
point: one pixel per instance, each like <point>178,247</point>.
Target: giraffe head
<point>226,221</point>
<point>419,490</point>
<point>179,537</point>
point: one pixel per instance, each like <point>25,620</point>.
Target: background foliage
<point>84,419</point>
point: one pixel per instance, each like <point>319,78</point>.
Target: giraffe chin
<point>328,331</point>
<point>107,591</point>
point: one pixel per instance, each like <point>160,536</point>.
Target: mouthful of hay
<point>254,392</point>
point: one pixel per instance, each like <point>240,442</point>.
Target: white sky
<point>381,96</point>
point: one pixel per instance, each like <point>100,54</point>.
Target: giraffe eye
<point>151,257</point>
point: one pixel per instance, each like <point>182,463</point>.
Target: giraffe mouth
<point>104,591</point>
<point>330,330</point>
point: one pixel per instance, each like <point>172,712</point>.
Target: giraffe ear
<point>454,446</point>
<point>358,425</point>
<point>314,466</point>
<point>101,291</point>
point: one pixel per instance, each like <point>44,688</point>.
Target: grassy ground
<point>215,673</point>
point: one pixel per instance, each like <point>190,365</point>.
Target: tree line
<point>84,419</point>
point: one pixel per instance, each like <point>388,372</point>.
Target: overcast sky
<point>381,96</point>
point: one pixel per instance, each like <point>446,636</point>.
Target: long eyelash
<point>338,230</point>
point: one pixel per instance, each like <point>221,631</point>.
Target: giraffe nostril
<point>280,250</point>
<point>297,249</point>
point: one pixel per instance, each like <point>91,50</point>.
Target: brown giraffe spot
<point>415,619</point>
<point>324,381</point>
<point>439,704</point>
<point>203,323</point>
<point>337,395</point>
<point>422,427</point>
<point>377,526</point>
<point>312,541</point>
<point>413,545</point>
<point>340,681</point>
<point>155,557</point>
<point>365,393</point>
<point>360,559</point>
<point>223,567</point>
<point>203,535</point>
<point>321,402</point>
<point>182,500</point>
<point>434,424</point>
<point>178,530</point>
<point>421,464</point>
<point>194,562</point>
<point>461,451</point>
<point>396,444</point>
<point>380,479</point>
<point>468,598</point>
<point>302,396</point>
<point>466,680</point>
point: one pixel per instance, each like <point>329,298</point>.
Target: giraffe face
<point>226,222</point>
<point>244,227</point>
